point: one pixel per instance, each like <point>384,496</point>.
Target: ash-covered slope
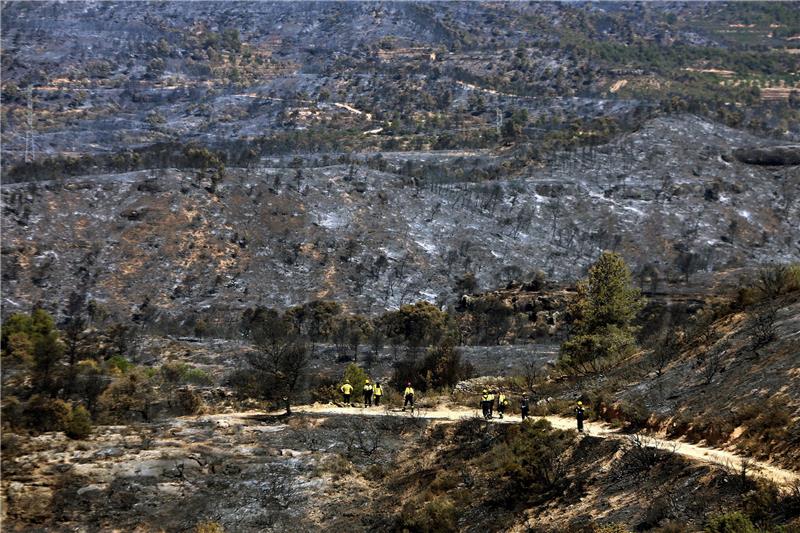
<point>669,197</point>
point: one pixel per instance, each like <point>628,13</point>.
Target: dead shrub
<point>713,429</point>
<point>338,466</point>
<point>645,453</point>
<point>187,402</point>
<point>437,514</point>
<point>445,481</point>
<point>209,526</point>
<point>765,421</point>
<point>635,413</point>
<point>679,426</point>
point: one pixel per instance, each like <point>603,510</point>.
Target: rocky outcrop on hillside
<point>770,156</point>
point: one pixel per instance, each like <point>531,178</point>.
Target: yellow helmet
<point>366,381</point>
<point>485,391</point>
<point>580,403</point>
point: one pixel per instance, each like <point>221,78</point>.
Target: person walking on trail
<point>502,403</point>
<point>485,409</point>
<point>490,400</point>
<point>346,390</point>
<point>367,394</point>
<point>524,406</point>
<point>579,415</point>
<point>408,396</point>
<point>377,392</point>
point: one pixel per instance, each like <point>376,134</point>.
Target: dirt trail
<point>730,460</point>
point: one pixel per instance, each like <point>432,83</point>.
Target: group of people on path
<point>487,403</point>
<point>374,393</point>
<point>489,396</point>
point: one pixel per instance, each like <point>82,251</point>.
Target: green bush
<point>357,377</point>
<point>762,502</point>
<point>45,414</point>
<point>734,522</point>
<point>245,383</point>
<point>441,367</point>
<point>120,364</point>
<point>197,376</point>
<point>13,412</point>
<point>129,395</point>
<point>530,458</point>
<point>175,372</point>
<point>79,425</point>
<point>439,514</point>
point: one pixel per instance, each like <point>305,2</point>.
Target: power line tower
<point>30,149</point>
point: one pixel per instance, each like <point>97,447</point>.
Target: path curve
<point>780,476</point>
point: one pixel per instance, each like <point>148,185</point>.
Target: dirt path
<point>723,458</point>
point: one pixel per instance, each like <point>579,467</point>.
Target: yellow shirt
<point>378,391</point>
<point>490,398</point>
<point>408,391</point>
<point>347,388</point>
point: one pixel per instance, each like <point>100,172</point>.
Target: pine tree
<point>603,316</point>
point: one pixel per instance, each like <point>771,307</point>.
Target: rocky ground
<point>322,468</point>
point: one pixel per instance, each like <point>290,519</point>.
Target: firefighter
<point>524,406</point>
<point>485,404</point>
<point>377,393</point>
<point>346,390</point>
<point>368,390</point>
<point>579,415</point>
<point>408,396</point>
<point>502,403</point>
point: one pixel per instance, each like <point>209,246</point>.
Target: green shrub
<point>530,457</point>
<point>172,371</point>
<point>176,372</point>
<point>13,412</point>
<point>197,376</point>
<point>245,383</point>
<point>120,364</point>
<point>734,522</point>
<point>439,514</point>
<point>441,367</point>
<point>45,414</point>
<point>357,377</point>
<point>129,395</point>
<point>79,425</point>
<point>762,502</point>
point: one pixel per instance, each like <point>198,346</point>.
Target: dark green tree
<point>603,315</point>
